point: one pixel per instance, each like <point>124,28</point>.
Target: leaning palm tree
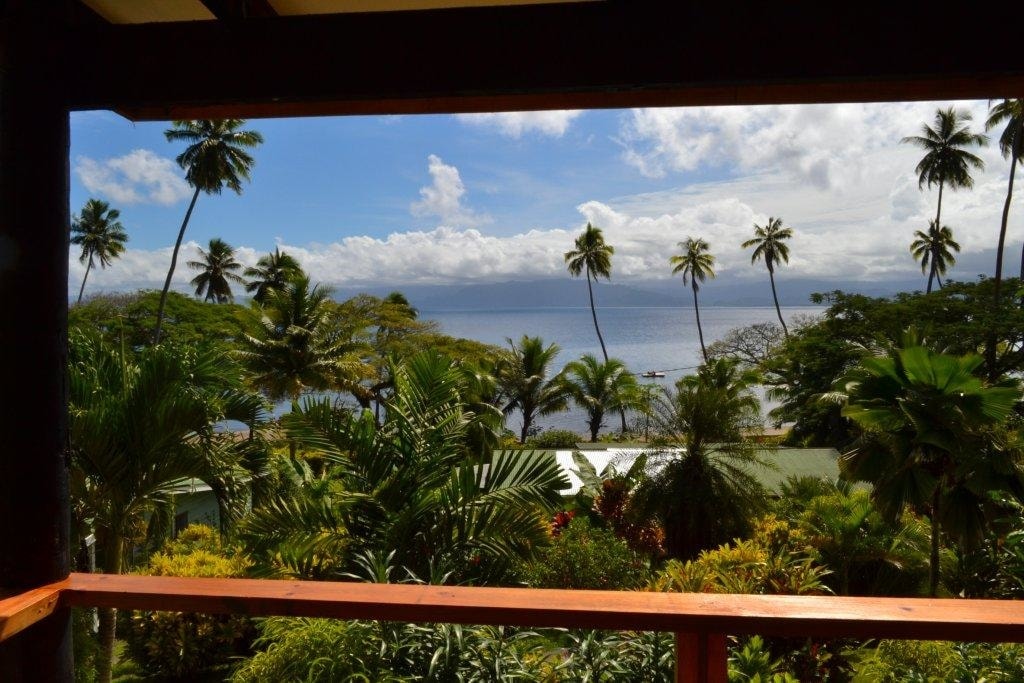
<point>99,233</point>
<point>140,426</point>
<point>594,257</point>
<point>525,379</point>
<point>215,158</point>
<point>271,273</point>
<point>599,388</point>
<point>216,272</point>
<point>1011,144</point>
<point>946,162</point>
<point>770,245</point>
<point>696,264</point>
<point>934,249</point>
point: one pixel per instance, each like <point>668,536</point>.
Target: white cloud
<point>137,177</point>
<point>515,123</point>
<point>443,197</point>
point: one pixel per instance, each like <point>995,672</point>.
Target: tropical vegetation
<point>97,230</point>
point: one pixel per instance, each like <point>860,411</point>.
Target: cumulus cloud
<point>443,197</point>
<point>137,177</point>
<point>515,123</point>
<point>823,146</point>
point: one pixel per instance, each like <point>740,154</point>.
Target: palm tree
<point>771,246</point>
<point>271,273</point>
<point>946,161</point>
<point>296,347</point>
<point>216,272</point>
<point>139,427</point>
<point>931,439</point>
<point>697,264</point>
<point>598,387</point>
<point>99,233</point>
<point>594,257</point>
<point>934,250</point>
<point>1011,144</point>
<point>524,378</point>
<point>412,485</point>
<point>704,495</point>
<point>215,158</point>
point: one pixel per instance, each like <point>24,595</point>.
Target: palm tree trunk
<point>170,271</point>
<point>81,290</point>
<point>990,344</point>
<point>938,225</point>
<point>593,312</point>
<point>700,332</point>
<point>933,569</point>
<point>107,615</point>
<point>600,339</point>
<point>778,311</point>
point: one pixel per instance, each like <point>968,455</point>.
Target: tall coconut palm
<point>696,265</point>
<point>140,426</point>
<point>99,233</point>
<point>1011,144</point>
<point>931,439</point>
<point>598,388</point>
<point>271,273</point>
<point>215,158</point>
<point>594,257</point>
<point>525,378</point>
<point>934,249</point>
<point>946,162</point>
<point>770,245</point>
<point>216,272</point>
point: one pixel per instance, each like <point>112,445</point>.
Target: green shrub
<point>184,645</point>
<point>554,438</point>
<point>924,660</point>
<point>582,556</point>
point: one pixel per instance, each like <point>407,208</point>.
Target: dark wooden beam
<point>600,54</point>
<point>34,508</point>
<point>230,10</point>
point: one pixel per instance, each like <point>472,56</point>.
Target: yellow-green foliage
<point>921,660</point>
<point>182,645</point>
<point>775,560</point>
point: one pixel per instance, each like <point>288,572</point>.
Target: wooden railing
<point>699,620</point>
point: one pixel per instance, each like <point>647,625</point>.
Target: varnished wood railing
<point>700,620</point>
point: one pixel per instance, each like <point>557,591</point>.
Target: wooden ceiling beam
<point>601,54</point>
<point>229,10</point>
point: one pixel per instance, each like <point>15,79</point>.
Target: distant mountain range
<point>566,292</point>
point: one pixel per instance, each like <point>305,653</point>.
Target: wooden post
<point>34,512</point>
<point>701,658</point>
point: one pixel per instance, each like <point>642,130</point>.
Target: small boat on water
<point>653,373</point>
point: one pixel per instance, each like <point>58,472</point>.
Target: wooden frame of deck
<point>57,56</point>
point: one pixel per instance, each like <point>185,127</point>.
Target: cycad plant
<point>413,486</point>
<point>934,250</point>
<point>933,438</point>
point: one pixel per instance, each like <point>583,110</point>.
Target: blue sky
<point>427,199</point>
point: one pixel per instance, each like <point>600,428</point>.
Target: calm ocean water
<point>644,338</point>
